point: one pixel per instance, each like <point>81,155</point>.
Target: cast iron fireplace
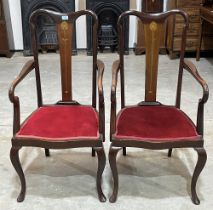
<point>47,36</point>
<point>108,12</point>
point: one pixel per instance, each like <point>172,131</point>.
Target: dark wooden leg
<point>101,165</point>
<point>103,124</point>
<point>14,157</point>
<point>93,152</point>
<point>199,40</point>
<point>124,151</point>
<point>170,153</point>
<point>112,161</point>
<point>47,152</point>
<point>198,168</point>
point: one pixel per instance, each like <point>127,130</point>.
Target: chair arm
<point>190,67</point>
<point>115,70</point>
<point>100,68</point>
<point>28,67</point>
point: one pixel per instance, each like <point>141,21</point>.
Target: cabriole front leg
<point>198,168</point>
<point>14,157</point>
<point>101,165</point>
<point>112,161</point>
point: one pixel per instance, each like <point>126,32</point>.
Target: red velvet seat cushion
<point>154,123</point>
<point>61,122</point>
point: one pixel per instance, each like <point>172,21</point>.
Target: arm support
<point>100,68</point>
<point>115,70</point>
<point>28,67</point>
<point>190,67</point>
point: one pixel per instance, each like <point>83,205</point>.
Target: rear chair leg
<point>112,161</point>
<point>170,153</point>
<point>93,152</point>
<point>47,152</point>
<point>198,168</point>
<point>101,165</point>
<point>124,151</point>
<point>14,157</point>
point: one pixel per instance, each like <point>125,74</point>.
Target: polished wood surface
<point>192,8</point>
<point>65,41</point>
<point>206,15</point>
<point>153,6</point>
<point>153,33</point>
<point>4,44</point>
<point>148,6</point>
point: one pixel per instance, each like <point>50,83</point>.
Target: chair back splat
<point>153,31</point>
<point>65,28</point>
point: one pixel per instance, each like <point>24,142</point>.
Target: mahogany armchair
<point>150,124</point>
<point>65,124</point>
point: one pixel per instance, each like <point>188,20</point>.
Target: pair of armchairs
<point>68,124</point>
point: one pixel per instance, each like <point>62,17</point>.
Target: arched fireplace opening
<point>108,12</point>
<point>47,36</point>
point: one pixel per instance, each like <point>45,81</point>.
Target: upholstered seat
<point>61,123</point>
<point>154,123</point>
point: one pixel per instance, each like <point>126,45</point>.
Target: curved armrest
<point>100,68</point>
<point>28,67</point>
<point>190,67</point>
<point>115,70</point>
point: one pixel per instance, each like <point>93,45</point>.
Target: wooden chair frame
<point>98,69</point>
<point>150,100</point>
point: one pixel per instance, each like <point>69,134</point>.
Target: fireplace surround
<point>47,36</point>
<point>108,12</point>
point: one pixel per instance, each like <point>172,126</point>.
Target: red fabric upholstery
<point>61,122</point>
<point>154,123</point>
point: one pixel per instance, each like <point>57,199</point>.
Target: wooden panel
<point>152,6</point>
<point>153,33</point>
<point>207,29</point>
<point>194,15</point>
<point>191,44</point>
<point>65,41</point>
<point>4,46</point>
<point>192,31</point>
<point>149,7</point>
<point>207,43</point>
<point>192,8</point>
<point>207,13</point>
<point>188,3</point>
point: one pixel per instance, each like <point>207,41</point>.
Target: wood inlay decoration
<point>65,46</point>
<point>153,32</point>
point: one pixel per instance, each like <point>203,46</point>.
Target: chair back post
<point>120,26</point>
<point>182,53</point>
<point>32,21</point>
<point>94,48</point>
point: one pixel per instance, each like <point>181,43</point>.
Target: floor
<point>66,180</point>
